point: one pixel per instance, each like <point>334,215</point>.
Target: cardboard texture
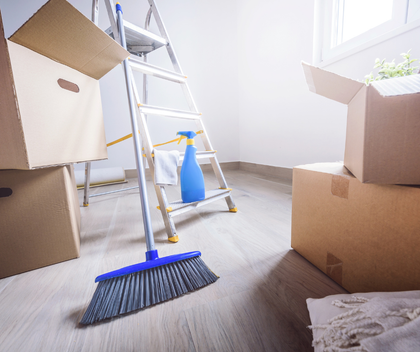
<point>365,237</point>
<point>40,218</point>
<point>59,31</point>
<point>50,104</point>
<point>383,125</point>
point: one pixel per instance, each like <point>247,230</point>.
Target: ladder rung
<point>139,40</point>
<point>154,110</point>
<point>140,48</point>
<point>200,154</point>
<point>148,69</point>
<point>178,207</point>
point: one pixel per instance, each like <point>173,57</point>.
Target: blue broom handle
<point>150,243</point>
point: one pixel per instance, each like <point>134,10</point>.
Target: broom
<point>157,279</point>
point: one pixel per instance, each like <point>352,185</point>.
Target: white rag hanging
<point>166,167</point>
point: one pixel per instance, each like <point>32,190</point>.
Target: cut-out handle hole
<point>72,87</point>
<point>5,192</point>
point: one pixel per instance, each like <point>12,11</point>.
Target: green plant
<point>391,70</point>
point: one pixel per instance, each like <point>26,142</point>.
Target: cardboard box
<point>50,103</point>
<point>383,125</point>
<point>365,237</point>
<point>40,218</point>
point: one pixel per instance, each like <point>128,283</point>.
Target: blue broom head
<point>152,261</point>
<point>145,284</point>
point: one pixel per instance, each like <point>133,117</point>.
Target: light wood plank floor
<point>258,304</point>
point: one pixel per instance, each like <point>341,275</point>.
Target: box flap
<point>13,152</point>
<point>336,168</point>
<point>60,32</point>
<point>330,85</point>
<point>398,86</point>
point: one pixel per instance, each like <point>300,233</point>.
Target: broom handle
<point>150,243</point>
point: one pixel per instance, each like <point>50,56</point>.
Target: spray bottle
<point>192,180</point>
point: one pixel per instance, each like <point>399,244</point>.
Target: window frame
<point>324,55</point>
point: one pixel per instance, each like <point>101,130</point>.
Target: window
<point>343,27</point>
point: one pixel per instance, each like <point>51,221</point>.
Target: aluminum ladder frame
<point>168,209</point>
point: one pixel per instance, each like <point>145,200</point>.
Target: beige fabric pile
<point>376,324</point>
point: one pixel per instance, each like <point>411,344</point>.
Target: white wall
<point>242,58</point>
<point>281,122</point>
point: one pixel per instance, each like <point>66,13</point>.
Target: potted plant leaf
<point>391,69</point>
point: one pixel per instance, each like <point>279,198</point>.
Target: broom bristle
<point>144,288</point>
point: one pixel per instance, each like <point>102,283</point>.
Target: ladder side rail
<point>145,78</point>
<point>137,101</point>
<point>164,34</point>
<point>215,164</point>
<point>95,11</point>
<point>172,55</point>
<point>148,146</point>
<point>143,130</point>
<point>189,97</point>
<point>113,20</point>
<point>163,205</point>
<point>86,190</point>
<point>160,190</point>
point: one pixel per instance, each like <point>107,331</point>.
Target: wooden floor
<point>258,304</point>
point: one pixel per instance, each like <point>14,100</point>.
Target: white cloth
<point>402,338</point>
<point>166,167</point>
<point>377,324</point>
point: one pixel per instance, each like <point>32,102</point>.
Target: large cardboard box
<point>365,237</point>
<point>383,125</point>
<point>40,218</point>
<point>50,103</point>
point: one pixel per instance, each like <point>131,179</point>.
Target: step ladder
<point>140,42</point>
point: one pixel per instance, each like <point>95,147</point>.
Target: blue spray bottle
<point>192,180</point>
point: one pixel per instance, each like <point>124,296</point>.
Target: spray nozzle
<point>188,134</point>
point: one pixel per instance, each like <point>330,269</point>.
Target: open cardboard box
<point>50,103</point>
<point>364,236</point>
<point>383,124</point>
<point>40,218</point>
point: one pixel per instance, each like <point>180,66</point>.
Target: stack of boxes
<point>359,222</point>
<point>50,118</point>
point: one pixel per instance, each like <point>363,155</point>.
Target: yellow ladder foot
<point>233,210</point>
<point>168,209</point>
<point>85,205</point>
<point>173,239</point>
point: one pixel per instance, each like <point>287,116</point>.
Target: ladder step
<point>154,110</point>
<point>201,154</point>
<point>178,207</point>
<point>139,41</point>
<point>156,71</point>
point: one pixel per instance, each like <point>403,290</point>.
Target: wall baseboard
<point>283,173</point>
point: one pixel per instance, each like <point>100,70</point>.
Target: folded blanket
<point>166,167</point>
<point>377,324</point>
